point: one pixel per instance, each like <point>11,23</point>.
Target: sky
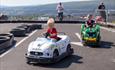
<point>32,2</point>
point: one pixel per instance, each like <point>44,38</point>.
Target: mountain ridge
<point>74,7</point>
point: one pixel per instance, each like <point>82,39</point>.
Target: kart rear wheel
<point>98,41</point>
<point>68,48</point>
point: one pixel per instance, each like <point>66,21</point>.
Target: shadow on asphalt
<point>64,63</point>
<point>105,44</point>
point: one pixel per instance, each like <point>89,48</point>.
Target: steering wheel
<point>46,34</point>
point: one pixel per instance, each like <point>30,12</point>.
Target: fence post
<point>106,16</point>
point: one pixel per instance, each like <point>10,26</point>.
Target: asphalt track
<point>84,58</point>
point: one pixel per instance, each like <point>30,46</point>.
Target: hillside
<point>70,7</point>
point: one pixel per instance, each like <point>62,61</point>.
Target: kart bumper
<point>44,60</point>
<point>90,40</point>
<point>40,60</point>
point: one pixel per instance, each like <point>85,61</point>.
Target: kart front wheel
<point>55,54</point>
<point>84,43</point>
<point>28,61</point>
<point>69,49</point>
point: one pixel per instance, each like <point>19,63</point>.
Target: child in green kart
<point>89,21</point>
<point>90,32</point>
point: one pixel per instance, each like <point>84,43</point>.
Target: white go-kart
<point>46,50</point>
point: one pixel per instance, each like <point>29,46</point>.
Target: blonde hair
<point>51,22</point>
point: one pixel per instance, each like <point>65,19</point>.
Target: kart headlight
<point>28,53</point>
<point>47,52</point>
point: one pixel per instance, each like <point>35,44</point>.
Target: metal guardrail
<point>109,14</point>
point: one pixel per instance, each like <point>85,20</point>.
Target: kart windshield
<point>45,39</point>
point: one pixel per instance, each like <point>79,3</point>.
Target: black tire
<point>18,32</point>
<point>27,28</point>
<point>36,26</point>
<point>10,36</point>
<point>98,41</point>
<point>28,62</point>
<point>30,28</point>
<point>5,34</point>
<point>55,54</point>
<point>22,27</point>
<point>4,39</point>
<point>69,48</point>
<point>84,43</point>
<point>4,42</point>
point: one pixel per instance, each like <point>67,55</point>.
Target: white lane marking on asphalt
<point>18,44</point>
<point>112,30</point>
<point>25,38</point>
<point>77,43</point>
<point>79,36</point>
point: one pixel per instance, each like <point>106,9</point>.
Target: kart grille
<point>36,53</point>
<point>91,33</point>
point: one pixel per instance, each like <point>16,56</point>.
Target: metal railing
<point>107,15</point>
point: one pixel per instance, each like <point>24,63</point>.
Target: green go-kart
<point>90,35</point>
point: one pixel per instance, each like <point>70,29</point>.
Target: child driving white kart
<point>51,31</point>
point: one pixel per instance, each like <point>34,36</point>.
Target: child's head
<point>60,3</point>
<point>50,23</point>
<point>89,16</point>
